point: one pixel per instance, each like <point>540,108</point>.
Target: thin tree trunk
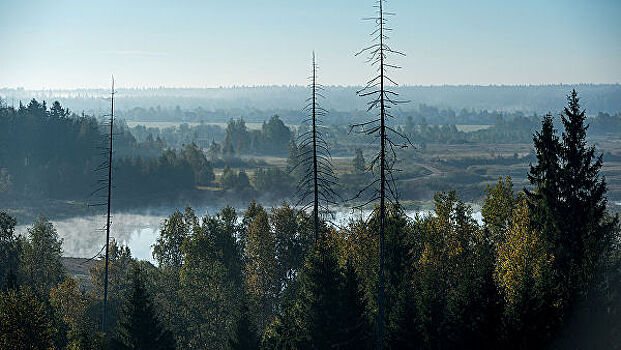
<point>316,189</point>
<point>105,301</point>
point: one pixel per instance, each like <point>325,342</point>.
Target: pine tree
<point>139,327</point>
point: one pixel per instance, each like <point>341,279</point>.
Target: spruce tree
<point>139,327</point>
<point>356,331</point>
<point>582,193</point>
<point>244,337</point>
<point>332,311</point>
<point>544,200</point>
<point>568,203</point>
<point>261,275</point>
<point>320,290</point>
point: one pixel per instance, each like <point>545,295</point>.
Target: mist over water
<point>84,236</point>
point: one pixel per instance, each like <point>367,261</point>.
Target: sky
<point>64,44</point>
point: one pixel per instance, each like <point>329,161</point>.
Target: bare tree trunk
<point>383,100</point>
<point>315,185</point>
<point>105,298</point>
<point>380,314</point>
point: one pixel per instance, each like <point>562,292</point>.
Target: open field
<point>471,128</point>
<point>257,126</point>
<point>468,168</point>
<point>174,124</point>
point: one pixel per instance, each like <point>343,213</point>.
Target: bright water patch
<point>85,236</point>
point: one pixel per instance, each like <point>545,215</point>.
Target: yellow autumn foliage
<point>521,257</point>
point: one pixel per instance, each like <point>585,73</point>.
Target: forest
<point>542,269</point>
<point>317,217</point>
<point>186,161</point>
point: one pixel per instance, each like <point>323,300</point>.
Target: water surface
<point>85,236</point>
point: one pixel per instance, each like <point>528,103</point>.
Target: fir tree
<point>356,333</point>
<point>139,327</point>
<point>581,221</point>
<point>320,291</point>
<point>544,200</point>
<point>333,309</point>
<point>244,338</point>
<point>568,205</point>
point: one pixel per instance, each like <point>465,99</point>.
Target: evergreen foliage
<point>568,201</point>
<point>139,327</point>
<point>542,270</point>
<point>333,314</point>
<point>10,252</point>
<point>584,232</point>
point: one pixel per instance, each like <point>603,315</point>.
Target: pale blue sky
<point>79,43</point>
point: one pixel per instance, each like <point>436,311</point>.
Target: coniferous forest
<point>463,229</point>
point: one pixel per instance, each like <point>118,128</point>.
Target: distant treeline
<point>542,270</point>
<point>427,124</point>
<point>267,100</point>
<point>53,153</point>
<point>62,150</point>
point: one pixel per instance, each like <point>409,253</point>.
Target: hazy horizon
<point>172,87</point>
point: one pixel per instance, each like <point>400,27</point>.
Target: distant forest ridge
<point>272,99</point>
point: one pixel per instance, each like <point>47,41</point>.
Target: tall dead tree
<point>314,159</point>
<point>105,298</point>
<point>382,188</point>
